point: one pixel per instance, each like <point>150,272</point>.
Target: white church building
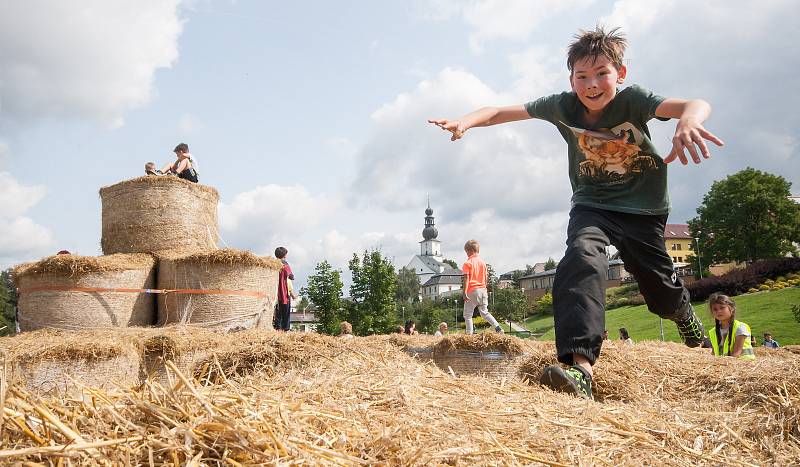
<point>437,278</point>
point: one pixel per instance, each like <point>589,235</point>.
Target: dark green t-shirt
<point>612,165</point>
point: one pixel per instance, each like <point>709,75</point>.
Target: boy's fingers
<point>703,148</point>
<point>671,156</point>
<point>710,136</point>
<point>692,150</point>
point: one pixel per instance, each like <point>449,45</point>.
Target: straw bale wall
<point>58,363</point>
<point>63,309</point>
<point>222,270</point>
<point>150,213</point>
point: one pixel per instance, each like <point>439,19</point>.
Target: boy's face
<point>595,81</point>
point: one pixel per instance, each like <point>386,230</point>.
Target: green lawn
<point>763,311</point>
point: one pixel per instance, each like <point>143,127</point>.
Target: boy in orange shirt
<point>474,280</point>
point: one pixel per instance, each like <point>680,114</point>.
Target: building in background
<point>436,277</point>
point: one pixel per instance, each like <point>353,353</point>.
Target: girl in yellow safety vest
<point>729,337</point>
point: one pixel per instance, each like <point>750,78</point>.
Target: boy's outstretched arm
<point>690,131</point>
<point>485,116</point>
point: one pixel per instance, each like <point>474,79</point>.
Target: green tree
<point>407,286</point>
<point>491,278</point>
<point>509,304</point>
<point>451,263</point>
<point>550,264</point>
<point>8,304</point>
<point>324,290</point>
<point>746,217</point>
<point>545,303</point>
<point>373,291</point>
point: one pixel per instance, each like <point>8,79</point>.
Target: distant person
<point>411,328</point>
<point>346,330</point>
<point>769,342</point>
<point>150,169</point>
<point>625,337</point>
<point>730,337</point>
<point>64,252</point>
<point>184,166</point>
<point>753,342</point>
<point>284,298</point>
<point>605,335</point>
<point>474,287</point>
<point>400,329</point>
<point>442,330</point>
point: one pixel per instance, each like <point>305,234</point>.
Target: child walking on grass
<point>619,185</point>
<point>730,337</point>
<point>474,287</point>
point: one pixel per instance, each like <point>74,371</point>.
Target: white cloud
<point>188,124</point>
<point>272,213</point>
<point>93,59</point>
<point>20,237</point>
<point>514,169</point>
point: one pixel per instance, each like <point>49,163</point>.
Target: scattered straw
<point>325,401</point>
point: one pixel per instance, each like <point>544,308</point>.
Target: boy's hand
<point>688,134</point>
<point>453,126</point>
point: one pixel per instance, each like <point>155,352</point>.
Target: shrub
<point>752,290</point>
<point>760,274</point>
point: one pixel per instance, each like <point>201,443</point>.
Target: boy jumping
<point>619,197</point>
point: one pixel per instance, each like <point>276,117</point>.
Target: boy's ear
<point>622,72</point>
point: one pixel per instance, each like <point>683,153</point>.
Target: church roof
<point>444,279</point>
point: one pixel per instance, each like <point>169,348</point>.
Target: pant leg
<point>579,287</point>
<point>482,297</point>
<point>470,302</point>
<point>645,256</point>
<point>285,310</point>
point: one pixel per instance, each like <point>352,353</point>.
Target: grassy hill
<point>763,311</point>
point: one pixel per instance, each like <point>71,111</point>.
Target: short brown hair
<point>595,43</point>
<point>473,246</point>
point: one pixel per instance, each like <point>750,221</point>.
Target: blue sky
<point>309,117</point>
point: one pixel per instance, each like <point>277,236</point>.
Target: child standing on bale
<point>730,337</point>
<point>284,306</point>
<point>474,287</point>
<point>619,185</point>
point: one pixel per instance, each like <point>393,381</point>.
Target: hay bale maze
<point>263,397</point>
<point>58,292</point>
<point>149,213</point>
<point>239,289</point>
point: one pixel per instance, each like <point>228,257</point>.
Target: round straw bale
<point>219,272</point>
<point>65,309</point>
<point>152,213</point>
<point>486,354</point>
<point>58,363</point>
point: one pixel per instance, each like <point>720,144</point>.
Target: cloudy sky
<point>309,117</point>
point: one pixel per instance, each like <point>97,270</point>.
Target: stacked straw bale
<point>224,270</point>
<point>59,363</point>
<point>366,401</point>
<point>82,310</point>
<point>149,214</point>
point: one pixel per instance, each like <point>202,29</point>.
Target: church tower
<point>430,246</point>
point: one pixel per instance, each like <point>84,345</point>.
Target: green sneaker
<point>573,380</point>
<point>690,328</point>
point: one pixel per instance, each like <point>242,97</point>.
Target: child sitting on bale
<point>185,166</point>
